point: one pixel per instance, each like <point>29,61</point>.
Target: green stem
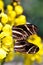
<point>2,62</point>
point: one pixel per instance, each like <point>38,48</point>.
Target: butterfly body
<point>21,33</point>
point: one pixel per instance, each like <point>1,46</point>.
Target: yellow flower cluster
<point>15,16</point>
<point>9,17</point>
<point>6,41</point>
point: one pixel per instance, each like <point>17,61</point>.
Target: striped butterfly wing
<point>22,32</point>
<point>23,46</point>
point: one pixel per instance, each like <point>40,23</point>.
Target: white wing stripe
<point>16,46</point>
<point>16,32</point>
<point>30,49</point>
<point>28,29</point>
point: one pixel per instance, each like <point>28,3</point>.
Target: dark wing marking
<point>25,47</point>
<point>29,28</point>
<point>33,28</point>
<point>21,32</point>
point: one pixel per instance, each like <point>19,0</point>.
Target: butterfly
<point>21,33</point>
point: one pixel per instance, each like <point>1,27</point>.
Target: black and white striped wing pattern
<point>25,47</point>
<point>21,32</point>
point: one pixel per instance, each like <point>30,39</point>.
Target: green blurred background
<point>34,12</point>
<point>33,9</point>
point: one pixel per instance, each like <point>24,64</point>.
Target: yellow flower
<point>9,8</point>
<point>4,18</point>
<point>14,4</point>
<point>18,9</point>
<point>7,29</point>
<point>7,40</point>
<point>2,53</point>
<point>2,34</point>
<point>5,47</point>
<point>8,47</point>
<point>20,20</point>
<point>13,14</point>
<point>35,39</point>
<point>11,17</point>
